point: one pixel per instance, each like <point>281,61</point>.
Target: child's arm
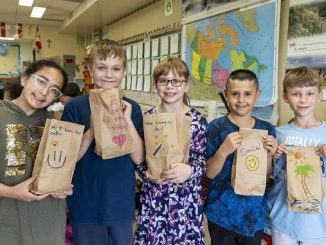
<point>87,140</point>
<point>321,149</point>
<point>279,159</point>
<point>64,194</point>
<point>180,172</point>
<point>71,114</point>
<point>216,162</point>
<point>157,181</point>
<point>138,154</point>
<point>270,144</point>
<point>280,150</point>
<point>21,191</point>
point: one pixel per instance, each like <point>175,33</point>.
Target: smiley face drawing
<point>252,163</point>
<point>55,158</point>
<point>54,143</point>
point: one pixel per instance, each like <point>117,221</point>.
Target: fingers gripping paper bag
<point>56,156</point>
<point>167,141</point>
<point>304,180</point>
<point>111,133</point>
<point>249,169</point>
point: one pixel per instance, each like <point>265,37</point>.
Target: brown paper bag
<point>249,169</point>
<point>56,156</point>
<point>304,180</point>
<point>111,133</point>
<point>167,141</point>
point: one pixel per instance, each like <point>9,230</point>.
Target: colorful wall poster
<point>242,38</point>
<point>307,34</point>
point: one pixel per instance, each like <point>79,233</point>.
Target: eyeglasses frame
<point>170,81</point>
<point>38,77</point>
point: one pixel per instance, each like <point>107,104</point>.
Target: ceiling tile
<point>89,14</point>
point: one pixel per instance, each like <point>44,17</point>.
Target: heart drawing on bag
<point>119,139</point>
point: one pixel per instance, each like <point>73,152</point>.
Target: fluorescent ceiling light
<point>37,12</point>
<point>25,2</point>
<point>7,38</point>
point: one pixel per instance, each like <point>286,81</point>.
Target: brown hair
<point>241,75</point>
<point>13,88</point>
<point>107,47</point>
<point>301,77</point>
<point>178,67</point>
<point>40,64</point>
<point>72,90</point>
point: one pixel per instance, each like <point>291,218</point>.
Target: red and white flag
<point>37,43</point>
<point>11,30</point>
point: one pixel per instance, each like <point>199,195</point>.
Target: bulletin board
<point>10,61</point>
<point>307,34</point>
<point>144,56</point>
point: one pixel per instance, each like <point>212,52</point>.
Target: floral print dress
<point>173,213</point>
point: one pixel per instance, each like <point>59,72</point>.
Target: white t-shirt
<point>56,107</point>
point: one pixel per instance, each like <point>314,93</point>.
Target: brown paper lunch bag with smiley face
<point>249,169</point>
<point>56,156</point>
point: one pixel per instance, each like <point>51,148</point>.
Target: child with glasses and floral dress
<point>171,207</point>
<point>26,218</point>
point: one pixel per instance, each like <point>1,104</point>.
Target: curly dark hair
<point>39,64</point>
<point>13,88</point>
<point>72,90</point>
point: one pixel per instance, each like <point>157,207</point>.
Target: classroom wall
<point>285,113</point>
<point>60,45</point>
<point>148,19</point>
<point>154,17</point>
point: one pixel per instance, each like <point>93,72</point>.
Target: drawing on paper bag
<point>304,180</point>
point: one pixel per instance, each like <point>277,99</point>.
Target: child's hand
<point>91,125</point>
<point>64,194</point>
<point>21,191</point>
<point>321,149</point>
<point>126,109</point>
<point>178,173</point>
<point>156,181</point>
<point>279,151</point>
<point>270,144</point>
<point>231,143</point>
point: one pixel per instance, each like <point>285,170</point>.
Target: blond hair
<point>301,77</point>
<point>106,48</point>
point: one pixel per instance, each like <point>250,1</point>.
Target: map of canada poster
<point>243,38</point>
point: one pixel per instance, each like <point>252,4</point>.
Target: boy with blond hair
<point>102,207</point>
<point>302,91</point>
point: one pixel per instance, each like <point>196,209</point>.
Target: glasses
<point>174,82</point>
<point>43,82</point>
